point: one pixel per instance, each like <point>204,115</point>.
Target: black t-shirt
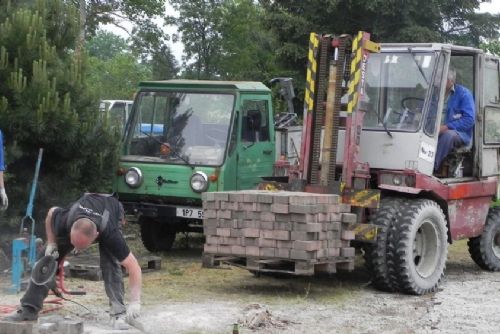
<point>105,211</point>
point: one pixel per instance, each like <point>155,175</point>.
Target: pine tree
<point>46,102</point>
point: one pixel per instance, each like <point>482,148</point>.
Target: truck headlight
<point>133,177</point>
<point>199,182</point>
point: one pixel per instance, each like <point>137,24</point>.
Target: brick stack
<point>293,226</point>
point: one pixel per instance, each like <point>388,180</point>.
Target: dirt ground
<point>184,298</point>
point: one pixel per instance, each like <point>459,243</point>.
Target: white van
<point>117,111</point>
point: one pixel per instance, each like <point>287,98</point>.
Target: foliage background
<point>56,63</point>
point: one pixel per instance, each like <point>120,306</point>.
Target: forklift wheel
<point>422,247</point>
<point>379,256</point>
<point>485,249</point>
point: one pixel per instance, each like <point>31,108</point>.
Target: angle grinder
<point>43,273</point>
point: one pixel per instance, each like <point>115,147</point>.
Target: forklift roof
<point>429,47</point>
<point>205,84</point>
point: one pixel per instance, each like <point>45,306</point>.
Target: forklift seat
<point>464,149</point>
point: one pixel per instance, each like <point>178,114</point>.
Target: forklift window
<point>430,117</point>
<point>396,88</point>
<point>491,82</point>
<point>464,66</point>
<point>492,126</point>
<point>491,100</point>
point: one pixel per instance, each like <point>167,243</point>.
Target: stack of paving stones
<point>310,230</point>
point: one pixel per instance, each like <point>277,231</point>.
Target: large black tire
<point>156,237</point>
<point>379,256</point>
<point>485,249</point>
<point>421,247</point>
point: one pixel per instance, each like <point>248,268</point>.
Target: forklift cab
<point>405,98</point>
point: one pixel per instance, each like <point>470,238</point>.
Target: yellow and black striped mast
<point>355,174</point>
<point>326,70</point>
<point>309,104</point>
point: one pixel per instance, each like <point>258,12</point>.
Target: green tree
<point>247,49</point>
<point>106,45</point>
<point>95,12</point>
<point>199,22</point>
<point>451,21</point>
<point>45,101</point>
<point>492,47</point>
<point>150,44</point>
<point>117,78</point>
<point>225,40</point>
<point>113,70</point>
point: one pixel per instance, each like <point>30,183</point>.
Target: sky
<point>177,48</point>
<point>491,7</point>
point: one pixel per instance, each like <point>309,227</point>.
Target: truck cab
<point>184,138</point>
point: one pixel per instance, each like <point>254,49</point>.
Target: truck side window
<point>255,121</point>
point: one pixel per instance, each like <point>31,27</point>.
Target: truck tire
<point>485,249</point>
<point>156,237</point>
<point>421,247</point>
<point>379,256</point>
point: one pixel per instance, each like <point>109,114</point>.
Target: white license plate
<point>190,213</point>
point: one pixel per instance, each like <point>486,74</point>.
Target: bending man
<point>92,218</point>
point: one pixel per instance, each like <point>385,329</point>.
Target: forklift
<point>371,128</point>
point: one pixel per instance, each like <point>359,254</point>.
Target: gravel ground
<point>184,298</point>
<point>467,302</point>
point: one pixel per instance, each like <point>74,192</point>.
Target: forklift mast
<point>335,77</point>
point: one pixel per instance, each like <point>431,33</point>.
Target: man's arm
<point>135,277</point>
<point>51,237</point>
<point>51,247</point>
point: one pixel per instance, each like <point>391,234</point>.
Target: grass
<point>182,278</point>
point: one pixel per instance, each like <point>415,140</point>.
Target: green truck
<point>184,138</point>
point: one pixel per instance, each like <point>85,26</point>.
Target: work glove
<point>133,310</point>
<point>51,250</point>
<point>4,200</point>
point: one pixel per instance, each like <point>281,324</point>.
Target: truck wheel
<point>156,237</point>
<point>379,256</point>
<point>485,249</point>
<point>422,248</point>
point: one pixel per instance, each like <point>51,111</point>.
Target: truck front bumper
<point>154,210</point>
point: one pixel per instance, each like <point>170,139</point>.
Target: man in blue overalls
<point>458,125</point>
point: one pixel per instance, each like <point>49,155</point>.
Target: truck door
<point>256,149</point>
<point>488,125</point>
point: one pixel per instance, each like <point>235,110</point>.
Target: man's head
<point>83,233</point>
<point>452,77</point>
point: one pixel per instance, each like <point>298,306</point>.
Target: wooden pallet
<point>87,266</point>
<point>280,266</point>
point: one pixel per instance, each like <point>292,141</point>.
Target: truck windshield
<point>396,87</point>
<point>194,125</point>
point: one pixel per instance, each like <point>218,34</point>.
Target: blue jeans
<point>447,141</point>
